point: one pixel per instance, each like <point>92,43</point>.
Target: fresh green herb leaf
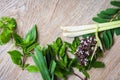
<point>16,57</point>
<point>18,39</point>
<point>41,64</point>
<point>98,64</point>
<point>31,35</point>
<point>32,68</point>
<point>115,3</point>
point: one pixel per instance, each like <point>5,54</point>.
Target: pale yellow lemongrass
<point>88,27</point>
<point>79,33</point>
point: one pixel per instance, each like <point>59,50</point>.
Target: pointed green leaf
<point>115,3</point>
<point>99,20</point>
<point>106,40</point>
<point>18,39</point>
<point>32,68</point>
<point>111,11</point>
<point>41,64</point>
<point>31,35</point>
<point>117,31</point>
<point>16,57</point>
<point>98,64</point>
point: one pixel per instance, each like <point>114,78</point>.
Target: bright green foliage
<point>32,68</point>
<point>27,44</point>
<point>41,64</point>
<point>108,15</point>
<point>16,57</point>
<point>7,25</point>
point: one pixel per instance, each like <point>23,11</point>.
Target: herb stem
<point>78,76</point>
<point>86,29</point>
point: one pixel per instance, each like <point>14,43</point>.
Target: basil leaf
<point>52,66</point>
<point>32,68</point>
<point>18,39</point>
<point>31,35</point>
<point>15,56</point>
<point>98,64</point>
<point>62,50</point>
<point>5,36</point>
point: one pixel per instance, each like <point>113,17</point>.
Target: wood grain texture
<point>49,15</point>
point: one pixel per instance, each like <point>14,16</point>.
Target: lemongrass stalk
<point>88,27</point>
<point>79,33</point>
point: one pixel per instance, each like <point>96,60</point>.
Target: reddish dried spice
<point>85,49</point>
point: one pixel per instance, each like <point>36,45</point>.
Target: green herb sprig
<point>53,61</point>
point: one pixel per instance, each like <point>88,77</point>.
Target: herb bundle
<point>53,61</point>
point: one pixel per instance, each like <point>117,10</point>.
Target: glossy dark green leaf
<point>31,35</point>
<point>106,40</point>
<point>99,20</point>
<point>104,16</point>
<point>98,64</point>
<point>32,68</point>
<point>115,3</point>
<point>117,31</point>
<point>110,36</point>
<point>18,39</point>
<point>31,47</point>
<point>16,57</point>
<point>111,11</point>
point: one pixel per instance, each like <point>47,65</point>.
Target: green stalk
<point>77,31</point>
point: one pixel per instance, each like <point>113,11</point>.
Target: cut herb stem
<point>86,29</point>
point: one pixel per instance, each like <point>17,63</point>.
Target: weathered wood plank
<point>49,15</point>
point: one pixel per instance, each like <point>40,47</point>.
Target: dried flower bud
<point>85,49</point>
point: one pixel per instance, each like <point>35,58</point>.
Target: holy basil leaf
<point>32,68</point>
<point>62,50</point>
<point>5,36</point>
<point>16,56</point>
<point>31,35</point>
<point>52,67</point>
<point>18,39</point>
<point>98,64</point>
<point>7,22</point>
<point>31,47</point>
<point>59,42</point>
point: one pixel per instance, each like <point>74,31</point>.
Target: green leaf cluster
<point>7,26</point>
<point>26,44</point>
<point>108,15</point>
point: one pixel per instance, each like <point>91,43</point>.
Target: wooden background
<point>49,15</point>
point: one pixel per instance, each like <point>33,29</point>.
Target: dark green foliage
<point>115,3</point>
<point>108,15</point>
